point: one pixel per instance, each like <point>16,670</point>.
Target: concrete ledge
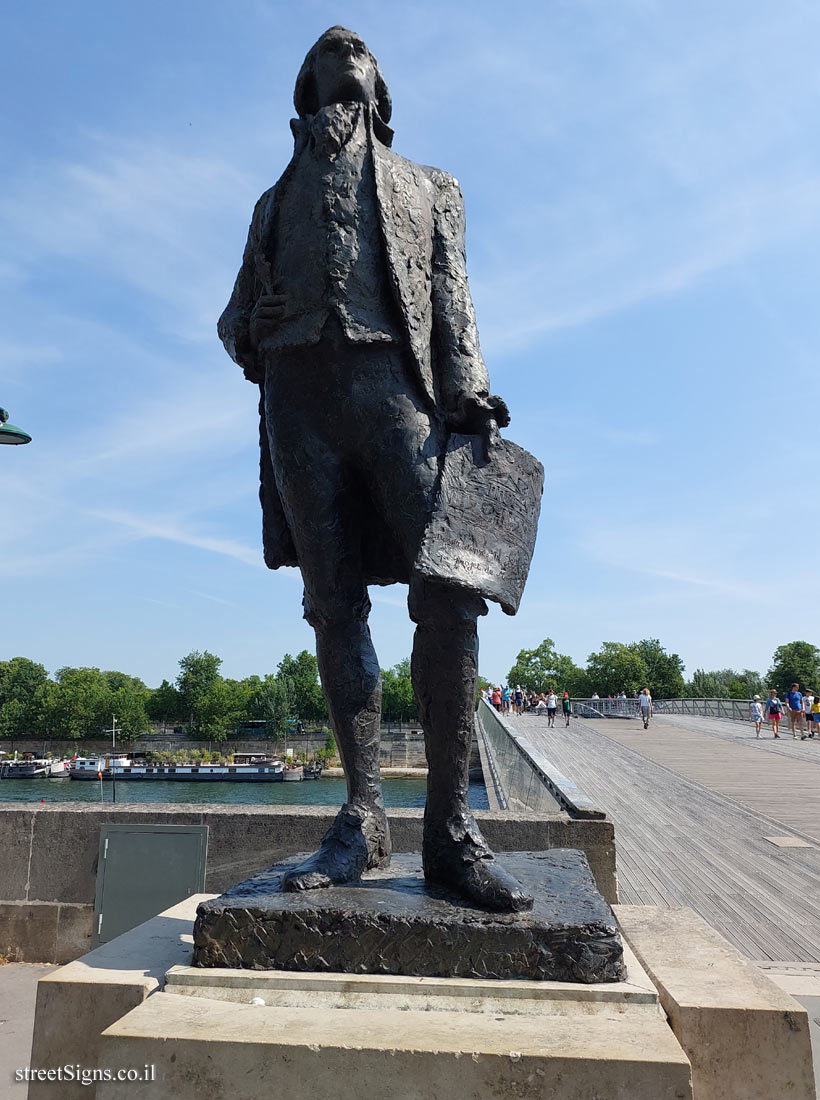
<point>745,1037</point>
<point>242,840</point>
<point>204,1048</point>
<point>78,1001</point>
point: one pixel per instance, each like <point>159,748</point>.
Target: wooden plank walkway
<point>684,841</point>
<point>777,778</point>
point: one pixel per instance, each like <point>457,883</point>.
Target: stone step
<point>205,1048</point>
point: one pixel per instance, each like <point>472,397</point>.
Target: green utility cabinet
<point>144,869</point>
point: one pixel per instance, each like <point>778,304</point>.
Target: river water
<point>312,792</point>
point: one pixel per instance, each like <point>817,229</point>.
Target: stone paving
<point>18,992</point>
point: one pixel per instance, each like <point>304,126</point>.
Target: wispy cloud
<point>144,213</point>
<point>170,531</point>
<point>635,259</point>
<point>676,551</point>
<point>212,598</point>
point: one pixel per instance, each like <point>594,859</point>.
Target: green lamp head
<point>9,433</point>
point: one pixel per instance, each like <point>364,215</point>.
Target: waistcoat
<point>328,253</point>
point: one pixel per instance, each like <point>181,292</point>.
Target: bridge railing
<point>605,708</point>
<point>736,709</point>
<point>527,779</point>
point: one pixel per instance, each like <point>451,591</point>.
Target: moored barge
<point>249,768</point>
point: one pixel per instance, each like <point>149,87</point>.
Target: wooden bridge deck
<point>692,806</point>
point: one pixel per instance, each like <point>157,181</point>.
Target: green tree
<point>710,685</point>
<point>13,719</point>
<point>199,687</point>
<point>746,684</point>
<point>20,679</point>
<point>664,671</point>
<point>128,701</point>
<point>45,708</point>
<point>218,713</point>
<point>398,699</point>
<point>616,667</point>
<point>238,696</point>
<point>302,674</point>
<point>795,663</point>
<point>541,668</point>
<point>165,705</point>
<point>81,707</point>
<point>569,677</point>
<point>279,706</point>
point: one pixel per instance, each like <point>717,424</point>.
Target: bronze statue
<point>353,315</point>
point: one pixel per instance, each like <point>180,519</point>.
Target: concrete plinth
<point>344,1035</point>
<point>746,1038</point>
<point>204,1048</point>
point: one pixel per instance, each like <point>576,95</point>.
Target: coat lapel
<point>404,198</point>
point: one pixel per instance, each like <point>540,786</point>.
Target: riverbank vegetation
<point>629,667</point>
<point>79,703</point>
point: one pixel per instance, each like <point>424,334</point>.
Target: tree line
<point>629,667</point>
<point>78,703</point>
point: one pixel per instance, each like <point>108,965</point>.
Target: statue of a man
<point>353,314</point>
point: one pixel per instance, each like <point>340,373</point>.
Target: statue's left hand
<point>479,415</point>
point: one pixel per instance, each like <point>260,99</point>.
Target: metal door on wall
<point>144,869</point>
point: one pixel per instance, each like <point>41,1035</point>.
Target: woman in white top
<point>645,707</point>
<point>552,703</point>
<point>756,714</point>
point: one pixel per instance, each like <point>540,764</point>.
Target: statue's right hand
<point>266,315</point>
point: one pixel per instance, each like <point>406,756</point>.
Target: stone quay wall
<point>49,853</point>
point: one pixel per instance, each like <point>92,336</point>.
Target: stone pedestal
<point>344,1036</point>
<point>393,922</point>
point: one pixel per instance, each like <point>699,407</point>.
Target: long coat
<point>421,214</point>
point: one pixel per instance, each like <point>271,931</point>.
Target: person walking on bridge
<point>566,707</point>
<point>774,711</point>
<point>794,701</point>
<point>756,714</point>
<point>808,702</point>
<point>518,700</point>
<point>645,707</point>
<point>552,704</point>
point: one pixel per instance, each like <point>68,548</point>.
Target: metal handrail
<point>736,710</point>
<point>605,708</point>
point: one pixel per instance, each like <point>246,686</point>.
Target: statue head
<point>339,68</point>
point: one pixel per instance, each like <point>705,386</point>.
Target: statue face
<point>344,70</point>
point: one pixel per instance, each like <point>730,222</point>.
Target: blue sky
<point>642,182</point>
